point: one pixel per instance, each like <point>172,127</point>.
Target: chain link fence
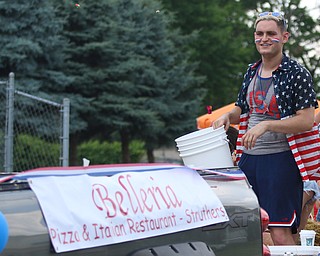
<point>34,131</point>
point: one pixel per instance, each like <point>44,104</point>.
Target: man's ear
<point>286,36</point>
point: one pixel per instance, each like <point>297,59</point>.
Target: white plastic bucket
<point>200,135</point>
<point>216,156</point>
<point>201,144</point>
<point>201,140</point>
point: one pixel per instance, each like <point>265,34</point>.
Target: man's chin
<point>265,52</point>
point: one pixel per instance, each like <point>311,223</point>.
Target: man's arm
<point>317,118</point>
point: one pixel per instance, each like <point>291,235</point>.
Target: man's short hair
<point>278,17</point>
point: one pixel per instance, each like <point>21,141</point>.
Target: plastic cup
<point>307,237</point>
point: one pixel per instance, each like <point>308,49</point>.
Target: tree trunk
<point>150,155</point>
<point>125,141</point>
<point>73,161</point>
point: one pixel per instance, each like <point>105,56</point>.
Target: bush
<point>108,152</point>
<point>32,152</point>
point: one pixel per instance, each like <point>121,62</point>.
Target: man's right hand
<point>232,117</point>
<point>221,121</point>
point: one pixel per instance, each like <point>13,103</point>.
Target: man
<point>275,104</point>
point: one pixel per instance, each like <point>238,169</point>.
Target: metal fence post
<point>65,142</point>
<point>8,161</point>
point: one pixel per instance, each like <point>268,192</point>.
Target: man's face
<point>269,38</point>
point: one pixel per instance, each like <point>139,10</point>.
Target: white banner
<point>83,211</point>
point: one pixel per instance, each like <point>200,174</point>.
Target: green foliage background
<point>108,152</point>
<point>140,69</point>
<point>44,153</point>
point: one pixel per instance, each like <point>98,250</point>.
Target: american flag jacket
<point>293,88</point>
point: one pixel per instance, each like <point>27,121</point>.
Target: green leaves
<point>134,70</point>
<point>31,44</point>
<point>136,67</point>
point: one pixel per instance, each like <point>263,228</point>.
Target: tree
<point>223,48</point>
<point>31,47</point>
<point>179,101</point>
<point>125,60</point>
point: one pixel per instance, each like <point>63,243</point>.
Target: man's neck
<point>271,63</point>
